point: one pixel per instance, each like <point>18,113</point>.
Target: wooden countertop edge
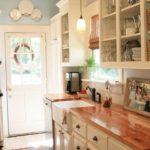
<point>106,131</point>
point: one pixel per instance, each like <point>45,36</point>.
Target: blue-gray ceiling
<point>47,7</point>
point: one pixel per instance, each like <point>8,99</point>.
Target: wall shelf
<point>109,39</point>
<point>131,8</point>
<point>109,15</point>
<point>131,36</point>
<point>66,32</point>
<point>64,48</point>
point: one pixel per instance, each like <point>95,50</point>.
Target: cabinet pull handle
<point>59,131</point>
<point>78,126</point>
<point>95,138</point>
<point>78,147</point>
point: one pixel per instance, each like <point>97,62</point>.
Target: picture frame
<point>137,96</point>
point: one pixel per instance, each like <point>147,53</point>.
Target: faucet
<point>99,97</point>
<point>93,92</point>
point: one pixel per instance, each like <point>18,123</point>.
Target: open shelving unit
<point>65,38</point>
<point>125,34</point>
<point>72,48</point>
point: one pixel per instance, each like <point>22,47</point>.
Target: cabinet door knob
<point>59,131</point>
<point>87,149</point>
<point>95,138</point>
<point>78,126</point>
<point>46,104</point>
<point>78,147</point>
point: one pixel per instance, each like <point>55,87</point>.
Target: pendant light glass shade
<point>81,25</point>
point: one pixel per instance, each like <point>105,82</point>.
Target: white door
<point>25,59</point>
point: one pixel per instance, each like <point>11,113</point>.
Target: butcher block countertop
<point>60,97</point>
<point>128,127</point>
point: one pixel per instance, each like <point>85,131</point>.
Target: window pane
<point>26,61</point>
<point>103,74</point>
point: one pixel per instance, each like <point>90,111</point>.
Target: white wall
<point>22,29</point>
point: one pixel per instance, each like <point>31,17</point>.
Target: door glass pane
<point>25,60</point>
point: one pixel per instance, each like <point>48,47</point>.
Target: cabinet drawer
<point>91,147</point>
<point>79,126</point>
<point>116,145</point>
<point>97,138</point>
<point>78,142</point>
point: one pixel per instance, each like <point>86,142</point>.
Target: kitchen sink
<point>61,114</point>
<point>72,104</point>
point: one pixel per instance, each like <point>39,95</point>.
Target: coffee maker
<point>73,82</point>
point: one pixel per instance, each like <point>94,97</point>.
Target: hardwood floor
<point>30,142</point>
<point>39,148</point>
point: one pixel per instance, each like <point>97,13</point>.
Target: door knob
<point>95,138</point>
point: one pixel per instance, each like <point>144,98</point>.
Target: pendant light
<point>81,25</point>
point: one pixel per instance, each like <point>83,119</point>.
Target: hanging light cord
<point>81,9</point>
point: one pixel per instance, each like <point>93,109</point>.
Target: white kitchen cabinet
<point>54,55</point>
<point>115,145</point>
<point>72,42</point>
<point>91,147</point>
<point>97,138</point>
<point>79,126</point>
<point>87,137</point>
<point>78,143</point>
<point>62,139</point>
<point>58,137</point>
<point>118,29</point>
<point>55,28</point>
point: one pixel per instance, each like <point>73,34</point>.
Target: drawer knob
<point>87,149</point>
<point>78,147</point>
<point>78,126</point>
<point>59,131</point>
<point>95,138</point>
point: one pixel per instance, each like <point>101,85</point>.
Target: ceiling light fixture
<point>81,25</point>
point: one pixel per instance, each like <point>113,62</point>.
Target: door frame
<point>14,29</point>
<point>8,63</point>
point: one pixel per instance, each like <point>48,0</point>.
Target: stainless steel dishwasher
<point>49,125</point>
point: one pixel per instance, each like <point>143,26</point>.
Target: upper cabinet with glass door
<point>72,47</point>
<point>147,9</point>
<point>124,36</point>
<point>108,33</point>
